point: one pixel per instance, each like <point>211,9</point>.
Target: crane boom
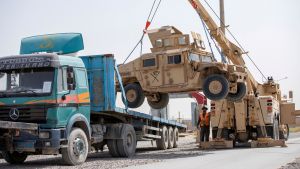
<point>233,52</point>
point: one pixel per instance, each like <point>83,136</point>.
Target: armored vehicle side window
<point>206,59</point>
<point>158,43</point>
<point>81,77</point>
<point>149,62</point>
<point>194,57</point>
<point>175,59</point>
<point>182,40</point>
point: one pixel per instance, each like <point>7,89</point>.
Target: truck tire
<point>77,150</point>
<point>134,95</point>
<point>127,145</point>
<point>176,137</point>
<point>215,87</point>
<point>171,138</point>
<point>161,103</point>
<point>162,143</point>
<point>113,148</point>
<point>240,94</point>
<point>284,132</point>
<point>14,158</point>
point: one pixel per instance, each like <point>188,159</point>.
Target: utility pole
<point>222,16</point>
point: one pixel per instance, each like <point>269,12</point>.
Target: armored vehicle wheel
<point>134,95</point>
<point>14,158</point>
<point>163,100</point>
<point>240,94</point>
<point>127,145</point>
<point>113,148</point>
<point>162,143</point>
<point>176,137</point>
<point>171,138</point>
<point>284,132</point>
<point>216,87</point>
<point>77,150</point>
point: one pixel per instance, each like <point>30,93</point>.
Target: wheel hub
<point>129,140</point>
<point>131,95</point>
<point>215,87</point>
<point>79,146</point>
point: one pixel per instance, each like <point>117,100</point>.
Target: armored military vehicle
<point>175,65</point>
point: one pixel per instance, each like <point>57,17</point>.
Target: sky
<point>269,30</point>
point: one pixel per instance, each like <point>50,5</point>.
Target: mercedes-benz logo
<point>14,113</point>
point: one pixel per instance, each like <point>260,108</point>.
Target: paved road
<point>264,158</point>
<point>185,157</point>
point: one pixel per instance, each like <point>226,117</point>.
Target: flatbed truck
<point>54,103</point>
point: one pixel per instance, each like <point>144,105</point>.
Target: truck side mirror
<point>71,78</point>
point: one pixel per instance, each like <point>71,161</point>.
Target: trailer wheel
<point>113,148</point>
<point>134,95</point>
<point>14,158</point>
<point>176,137</point>
<point>215,87</point>
<point>171,138</point>
<point>77,150</point>
<point>127,145</point>
<point>162,101</point>
<point>240,94</point>
<point>162,143</point>
<point>284,132</point>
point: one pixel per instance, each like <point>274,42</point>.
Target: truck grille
<point>26,113</point>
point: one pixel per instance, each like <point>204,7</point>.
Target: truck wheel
<point>14,158</point>
<point>134,95</point>
<point>162,143</point>
<point>216,87</point>
<point>284,132</point>
<point>77,150</point>
<point>112,147</point>
<point>171,138</point>
<point>176,137</point>
<point>127,145</point>
<point>163,100</point>
<point>240,94</point>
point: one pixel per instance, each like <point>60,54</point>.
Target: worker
<point>204,122</point>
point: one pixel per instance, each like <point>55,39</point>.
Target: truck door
<point>174,69</point>
<point>83,95</point>
<point>152,71</point>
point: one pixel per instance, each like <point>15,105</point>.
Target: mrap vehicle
<point>54,103</point>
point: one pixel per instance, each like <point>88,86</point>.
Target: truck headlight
<point>44,134</point>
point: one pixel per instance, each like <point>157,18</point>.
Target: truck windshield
<point>26,82</point>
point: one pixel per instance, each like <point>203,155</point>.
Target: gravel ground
<point>293,165</point>
<point>146,153</point>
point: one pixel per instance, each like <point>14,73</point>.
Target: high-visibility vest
<point>204,120</point>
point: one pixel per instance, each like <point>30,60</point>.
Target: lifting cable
<point>231,34</point>
<point>148,23</point>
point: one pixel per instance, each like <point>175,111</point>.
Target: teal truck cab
<point>52,102</point>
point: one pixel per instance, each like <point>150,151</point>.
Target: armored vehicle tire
<point>14,158</point>
<point>240,94</point>
<point>127,145</point>
<point>77,149</point>
<point>215,87</point>
<point>176,137</point>
<point>162,143</point>
<point>134,95</point>
<point>284,132</point>
<point>171,138</point>
<point>161,103</point>
<point>113,148</point>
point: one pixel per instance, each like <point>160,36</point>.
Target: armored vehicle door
<point>151,71</point>
<point>174,69</point>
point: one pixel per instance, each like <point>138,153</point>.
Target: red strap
<point>147,25</point>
